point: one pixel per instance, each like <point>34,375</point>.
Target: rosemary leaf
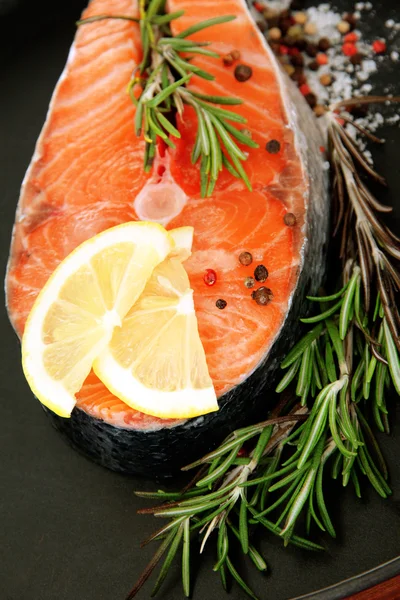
<point>95,18</point>
<point>241,172</point>
<point>229,144</point>
<point>204,25</point>
<point>321,502</point>
<point>238,579</point>
<point>221,469</point>
<point>330,363</point>
<point>334,430</point>
<point>186,558</point>
<point>299,348</point>
<point>344,318</point>
<point>356,483</point>
<point>357,379</point>
<point>161,96</point>
<point>153,8</point>
<point>311,511</point>
<point>151,566</point>
<point>151,119</point>
<point>168,560</point>
<point>330,311</point>
<point>217,99</point>
<point>203,174</point>
<point>183,44</point>
<point>164,19</point>
<point>287,493</point>
<point>336,341</point>
<point>243,526</point>
<point>283,482</point>
<point>139,119</point>
<point>189,67</point>
<point>392,356</point>
<point>303,377</point>
<point>316,431</point>
<point>335,296</point>
<point>366,384</point>
<point>223,578</point>
<point>222,546</point>
<point>229,167</point>
<point>202,51</point>
<point>222,112</point>
<point>288,377</point>
<point>239,135</point>
<point>168,125</point>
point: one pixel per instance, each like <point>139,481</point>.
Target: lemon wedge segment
<point>183,240</point>
<point>86,297</point>
<point>155,361</point>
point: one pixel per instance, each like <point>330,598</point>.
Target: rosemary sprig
<point>159,91</point>
<point>272,474</point>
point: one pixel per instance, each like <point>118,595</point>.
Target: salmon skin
<point>87,175</point>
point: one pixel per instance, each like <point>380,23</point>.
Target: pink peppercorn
<point>351,38</point>
<point>210,277</point>
<point>349,49</point>
<point>322,58</point>
<point>304,89</point>
<point>379,46</point>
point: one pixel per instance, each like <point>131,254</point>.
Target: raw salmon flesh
<point>87,175</point>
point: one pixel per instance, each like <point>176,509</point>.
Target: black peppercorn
<point>273,146</point>
<point>260,273</point>
<point>298,76</point>
<point>357,58</point>
<point>311,99</point>
<point>301,44</point>
<point>262,296</point>
<point>220,304</point>
<point>351,20</point>
<point>311,50</point>
<point>324,44</point>
<point>243,73</point>
<point>297,60</point>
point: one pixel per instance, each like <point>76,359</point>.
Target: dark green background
<point>68,528</point>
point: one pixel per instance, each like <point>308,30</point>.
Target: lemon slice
<point>183,240</point>
<point>88,294</point>
<point>155,362</point>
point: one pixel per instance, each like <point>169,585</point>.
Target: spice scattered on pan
<point>328,54</point>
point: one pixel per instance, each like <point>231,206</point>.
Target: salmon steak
<point>87,175</point>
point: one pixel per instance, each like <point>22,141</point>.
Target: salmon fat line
<point>337,378</point>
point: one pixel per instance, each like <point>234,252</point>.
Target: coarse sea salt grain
<point>369,66</point>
